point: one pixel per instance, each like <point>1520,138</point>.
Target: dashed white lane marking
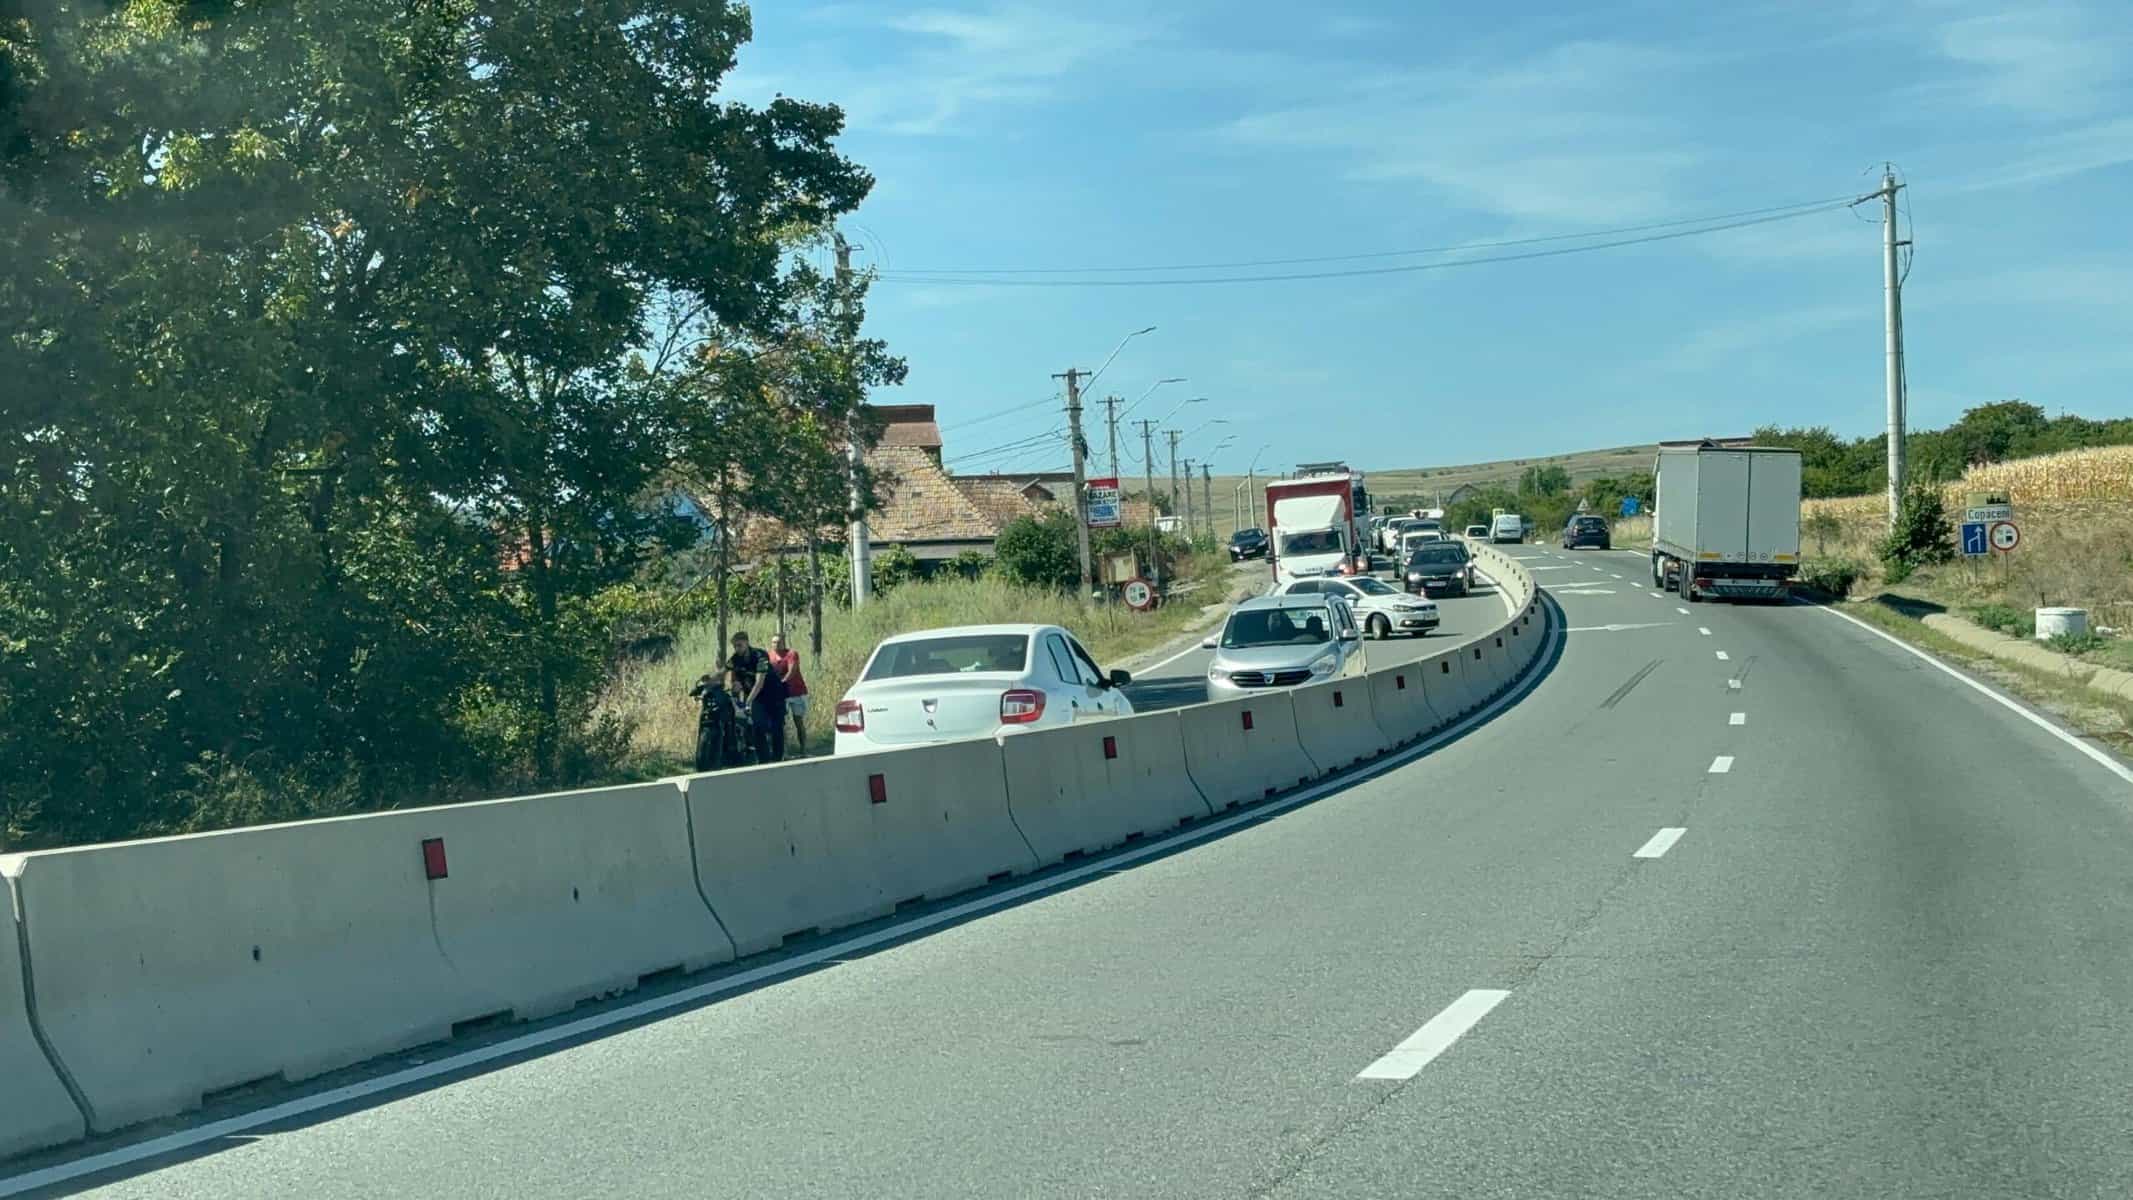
<point>1700,629</point>
<point>1737,719</point>
<point>1684,612</point>
<point>1722,764</point>
<point>1724,657</point>
<point>1617,628</point>
<point>1436,1035</point>
<point>1661,842</point>
<point>1733,684</point>
<point>1658,595</point>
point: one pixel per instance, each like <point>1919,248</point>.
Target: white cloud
<point>1574,133</point>
<point>2091,147</point>
<point>2040,60</point>
<point>1720,343</point>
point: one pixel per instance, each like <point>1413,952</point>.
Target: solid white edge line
<point>1737,719</point>
<point>1722,764</point>
<point>2102,759</point>
<point>1436,1035</point>
<point>1660,843</point>
<point>186,1139</point>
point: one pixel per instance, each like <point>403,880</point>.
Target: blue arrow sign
<point>1974,538</point>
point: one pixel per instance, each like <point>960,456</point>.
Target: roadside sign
<point>2005,536</point>
<point>1138,594</point>
<point>1104,503</point>
<point>1974,538</point>
<point>1629,506</point>
<point>1986,514</point>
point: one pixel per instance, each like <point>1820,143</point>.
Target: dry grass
<point>654,695</point>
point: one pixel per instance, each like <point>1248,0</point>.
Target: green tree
<point>1041,551</point>
<point>1544,479</point>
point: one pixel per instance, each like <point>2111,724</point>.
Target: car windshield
<point>1276,627</point>
<point>951,655</point>
<point>1246,535</point>
<point>1437,554</point>
<point>1371,585</point>
<point>1312,541</point>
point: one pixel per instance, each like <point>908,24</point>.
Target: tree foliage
<point>333,349</point>
<point>1989,433</point>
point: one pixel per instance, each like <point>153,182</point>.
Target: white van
<point>1507,527</point>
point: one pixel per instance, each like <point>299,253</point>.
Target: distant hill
<point>1582,465</point>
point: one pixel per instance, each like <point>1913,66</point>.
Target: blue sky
<point>1101,134</point>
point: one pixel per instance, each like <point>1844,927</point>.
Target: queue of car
<point>977,681</point>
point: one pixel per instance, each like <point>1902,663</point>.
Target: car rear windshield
<point>1438,554</point>
<point>951,655</point>
<point>1591,523</point>
<point>1276,627</point>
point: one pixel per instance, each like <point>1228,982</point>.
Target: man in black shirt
<point>763,695</point>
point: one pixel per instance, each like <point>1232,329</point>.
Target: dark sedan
<point>1439,569</point>
<point>1587,531</point>
<point>1247,543</point>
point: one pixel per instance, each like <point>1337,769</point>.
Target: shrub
<point>970,564</point>
<point>1822,525</point>
<point>1039,552</point>
<point>1920,536</point>
<point>2005,619</point>
<point>1832,576</point>
<point>890,566</point>
<point>2075,643</point>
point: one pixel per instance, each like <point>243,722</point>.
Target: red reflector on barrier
<point>1477,654</point>
<point>1499,643</point>
<point>433,858</point>
<point>1247,718</point>
<point>1399,682</point>
<point>877,789</point>
<point>1444,668</point>
<point>1336,699</point>
<point>1110,746</point>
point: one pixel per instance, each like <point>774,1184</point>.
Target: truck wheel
<point>1688,585</point>
<point>1658,573</point>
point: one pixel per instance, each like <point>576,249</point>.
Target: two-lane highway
<point>1738,901</point>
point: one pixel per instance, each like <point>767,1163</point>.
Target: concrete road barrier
<point>1444,679</point>
<point>1095,784</point>
<point>1485,667</point>
<point>35,1110</point>
<point>1400,704</point>
<point>167,969</point>
<point>1242,750</point>
<point>1335,722</point>
<point>797,848</point>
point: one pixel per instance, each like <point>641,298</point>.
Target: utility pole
<point>1174,435</point>
<point>1155,542</point>
<point>1192,524</point>
<point>858,539</point>
<point>1073,379</point>
<point>1207,497</point>
<point>1111,422</point>
<point>1892,294</point>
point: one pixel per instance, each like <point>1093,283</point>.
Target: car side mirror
<point>1350,635</point>
<point>1120,678</point>
<point>1207,644</point>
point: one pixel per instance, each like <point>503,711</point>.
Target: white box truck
<point>1727,520</point>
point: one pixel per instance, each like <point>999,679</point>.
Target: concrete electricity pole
<point>1192,524</point>
<point>1073,379</point>
<point>857,537</point>
<point>1207,497</point>
<point>1892,303</point>
<point>1111,422</point>
<point>1155,541</point>
<point>1174,435</point>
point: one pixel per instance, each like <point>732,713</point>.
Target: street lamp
<point>1151,391</point>
<point>1180,405</point>
<point>1114,353</point>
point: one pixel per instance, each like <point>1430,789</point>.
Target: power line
<point>1374,254</point>
<point>1405,269</point>
<point>1005,412</point>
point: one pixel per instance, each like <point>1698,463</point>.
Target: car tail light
<point>1021,706</point>
<point>851,717</point>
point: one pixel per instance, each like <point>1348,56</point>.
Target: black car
<point>1439,569</point>
<point>1586,531</point>
<point>1247,543</point>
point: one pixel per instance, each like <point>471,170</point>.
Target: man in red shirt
<point>786,662</point>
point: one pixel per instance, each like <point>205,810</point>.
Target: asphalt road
<point>1887,955</point>
<point>1183,680</point>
